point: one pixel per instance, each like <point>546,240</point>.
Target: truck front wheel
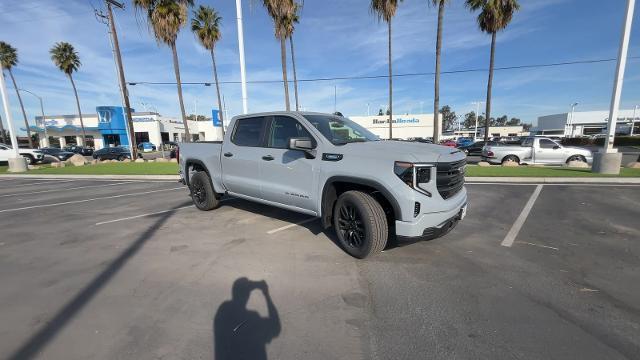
<point>202,194</point>
<point>360,224</point>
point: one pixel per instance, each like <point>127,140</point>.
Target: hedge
<point>618,141</point>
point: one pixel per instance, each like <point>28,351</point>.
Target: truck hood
<point>402,151</point>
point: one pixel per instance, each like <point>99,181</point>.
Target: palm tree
<point>386,10</point>
<point>494,16</point>
<point>206,26</point>
<point>281,12</point>
<point>290,23</point>
<point>165,18</point>
<point>9,59</point>
<point>65,57</point>
<point>436,84</point>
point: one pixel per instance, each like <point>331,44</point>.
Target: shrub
<point>621,141</point>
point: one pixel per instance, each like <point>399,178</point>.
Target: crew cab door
<point>241,157</point>
<point>548,152</point>
<point>288,177</point>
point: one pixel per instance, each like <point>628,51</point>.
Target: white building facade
<point>404,126</point>
<point>586,123</point>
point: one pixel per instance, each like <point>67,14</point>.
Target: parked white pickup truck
<point>32,156</point>
<point>536,150</point>
<point>330,167</point>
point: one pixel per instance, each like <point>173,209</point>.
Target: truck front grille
<point>450,177</point>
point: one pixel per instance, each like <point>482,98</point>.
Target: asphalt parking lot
<point>129,270</point>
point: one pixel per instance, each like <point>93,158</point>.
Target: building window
<point>142,136</point>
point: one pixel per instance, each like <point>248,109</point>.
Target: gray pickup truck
<point>332,168</point>
<point>536,150</point>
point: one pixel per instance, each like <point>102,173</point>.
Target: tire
<point>360,224</point>
<point>30,159</point>
<point>511,158</point>
<point>576,158</point>
<point>202,194</point>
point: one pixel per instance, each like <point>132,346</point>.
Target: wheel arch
<point>504,158</point>
<point>196,165</point>
<point>336,185</point>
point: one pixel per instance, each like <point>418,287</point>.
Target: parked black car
<point>476,147</point>
<point>113,153</point>
<point>82,150</point>
<point>57,153</point>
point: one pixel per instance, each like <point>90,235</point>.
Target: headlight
<point>414,175</point>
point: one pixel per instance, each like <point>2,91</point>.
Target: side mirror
<point>301,143</point>
<point>556,147</point>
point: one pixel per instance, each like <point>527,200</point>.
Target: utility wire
<point>461,71</point>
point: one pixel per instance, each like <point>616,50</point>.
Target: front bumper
<point>432,225</point>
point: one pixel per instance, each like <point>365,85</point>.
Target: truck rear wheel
<point>360,224</point>
<point>202,194</point>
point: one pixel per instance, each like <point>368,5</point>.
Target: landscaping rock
<point>57,164</point>
<point>483,163</point>
<point>140,160</point>
<point>33,167</point>
<point>634,165</point>
<point>577,164</point>
<point>510,163</point>
<point>161,160</point>
<point>126,160</point>
<point>95,162</point>
<point>174,160</point>
<point>76,160</point>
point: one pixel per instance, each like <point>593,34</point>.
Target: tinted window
<point>284,128</point>
<point>527,142</point>
<point>248,132</point>
<point>340,130</point>
<point>547,144</point>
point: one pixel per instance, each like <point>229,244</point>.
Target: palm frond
<point>384,9</point>
<point>8,55</point>
<point>205,25</point>
<point>65,57</point>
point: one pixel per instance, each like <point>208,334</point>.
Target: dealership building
<point>107,127</point>
<point>585,123</point>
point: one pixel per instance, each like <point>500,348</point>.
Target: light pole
<point>243,75</point>
<point>633,119</point>
<point>16,163</point>
<point>573,108</point>
<point>44,122</point>
<point>477,104</point>
<point>608,160</point>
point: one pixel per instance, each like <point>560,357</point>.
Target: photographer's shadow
<point>239,333</point>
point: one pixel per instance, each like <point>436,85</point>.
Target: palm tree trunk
<point>3,138</point>
<point>283,56</point>
<point>390,86</point>
<point>215,77</point>
<point>176,69</point>
<point>75,92</point>
<point>295,75</point>
<point>436,83</point>
<point>24,114</point>
<point>489,83</point>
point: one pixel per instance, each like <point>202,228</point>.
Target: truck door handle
<point>267,158</point>
<point>228,154</point>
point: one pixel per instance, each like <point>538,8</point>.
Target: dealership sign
<point>397,121</point>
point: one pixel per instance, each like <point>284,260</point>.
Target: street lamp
<point>477,104</point>
<point>573,107</point>
<point>16,162</point>
<point>633,119</point>
<point>44,122</point>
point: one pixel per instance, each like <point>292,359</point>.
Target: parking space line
<point>515,229</point>
<point>143,215</point>
<point>42,182</point>
<point>87,200</point>
<point>270,232</point>
<point>59,190</point>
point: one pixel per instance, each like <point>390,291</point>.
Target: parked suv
<point>32,156</point>
<point>330,167</point>
<point>112,153</point>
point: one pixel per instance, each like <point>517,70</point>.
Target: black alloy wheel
<point>351,225</point>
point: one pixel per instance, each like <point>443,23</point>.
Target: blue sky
<point>334,38</point>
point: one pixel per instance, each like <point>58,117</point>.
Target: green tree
<point>9,59</point>
<point>448,118</point>
<point>513,122</point>
<point>385,10</point>
<point>495,15</point>
<point>281,12</point>
<point>65,57</point>
<point>165,18</point>
<point>206,26</point>
<point>469,121</point>
<point>436,83</point>
<point>502,120</point>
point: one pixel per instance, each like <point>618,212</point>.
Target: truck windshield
<point>340,130</point>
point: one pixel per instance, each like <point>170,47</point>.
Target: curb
<point>90,177</point>
<point>555,180</point>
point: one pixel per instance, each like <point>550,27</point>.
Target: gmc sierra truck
<point>330,167</point>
